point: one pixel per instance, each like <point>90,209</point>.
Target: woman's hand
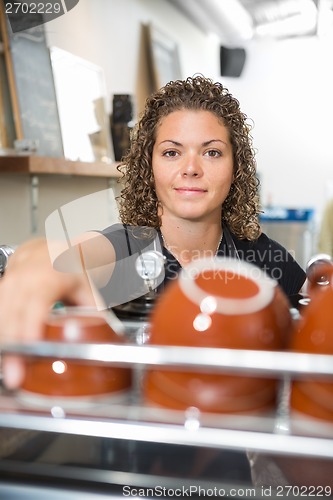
<point>28,290</point>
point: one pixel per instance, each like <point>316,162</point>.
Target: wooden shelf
<point>32,164</point>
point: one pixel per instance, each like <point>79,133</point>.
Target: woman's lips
<point>190,190</point>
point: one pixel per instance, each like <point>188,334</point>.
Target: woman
<point>190,174</point>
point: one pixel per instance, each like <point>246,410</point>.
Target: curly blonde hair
<point>138,203</point>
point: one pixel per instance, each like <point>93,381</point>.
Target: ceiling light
<point>301,23</point>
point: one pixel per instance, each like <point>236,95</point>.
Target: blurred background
<point>98,62</point>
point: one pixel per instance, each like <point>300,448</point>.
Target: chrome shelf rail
<point>274,434</point>
<point>274,363</point>
<point>174,434</point>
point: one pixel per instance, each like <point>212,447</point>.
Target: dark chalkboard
<point>35,90</point>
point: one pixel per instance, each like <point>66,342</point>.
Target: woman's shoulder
<point>131,240</point>
<point>265,250</point>
<point>274,259</point>
<point>263,242</point>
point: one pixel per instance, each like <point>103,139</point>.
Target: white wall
<point>286,87</point>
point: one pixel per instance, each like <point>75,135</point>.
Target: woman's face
<point>192,164</point>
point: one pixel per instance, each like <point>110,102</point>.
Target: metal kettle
<point>5,252</point>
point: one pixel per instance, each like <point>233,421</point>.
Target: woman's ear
<point>159,209</point>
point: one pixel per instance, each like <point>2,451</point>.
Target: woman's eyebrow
<point>172,142</point>
<point>207,143</point>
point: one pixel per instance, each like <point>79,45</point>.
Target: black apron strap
<point>127,239</point>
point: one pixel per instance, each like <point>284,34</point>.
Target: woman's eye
<point>170,153</point>
<point>213,153</point>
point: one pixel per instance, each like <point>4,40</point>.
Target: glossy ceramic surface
<point>319,273</point>
<point>57,377</point>
<point>315,335</point>
<point>222,303</point>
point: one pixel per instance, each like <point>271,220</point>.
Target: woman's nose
<point>191,167</point>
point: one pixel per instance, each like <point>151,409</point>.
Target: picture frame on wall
<point>81,96</point>
<point>8,132</point>
<point>28,101</point>
<point>163,55</point>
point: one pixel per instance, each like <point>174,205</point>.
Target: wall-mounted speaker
<point>232,61</point>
